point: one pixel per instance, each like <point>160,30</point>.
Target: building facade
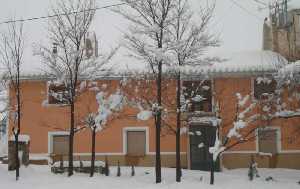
<point>131,141</point>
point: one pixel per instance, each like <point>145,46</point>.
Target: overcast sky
<point>240,28</point>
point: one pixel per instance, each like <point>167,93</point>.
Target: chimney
<point>54,48</point>
<point>267,35</point>
<point>91,45</point>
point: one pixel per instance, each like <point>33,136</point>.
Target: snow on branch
<point>108,105</point>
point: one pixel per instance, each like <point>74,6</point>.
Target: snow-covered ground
<point>35,177</point>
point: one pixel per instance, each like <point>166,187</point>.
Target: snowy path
<point>39,177</point>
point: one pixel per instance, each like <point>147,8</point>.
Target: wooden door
<point>200,157</point>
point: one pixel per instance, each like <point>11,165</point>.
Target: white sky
<point>239,30</point>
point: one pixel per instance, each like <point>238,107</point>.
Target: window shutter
<point>267,141</point>
<point>61,144</point>
<point>136,143</point>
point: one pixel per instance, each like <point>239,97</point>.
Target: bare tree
<point>69,61</point>
<point>189,43</point>
<point>108,106</point>
<point>12,46</point>
<point>147,40</point>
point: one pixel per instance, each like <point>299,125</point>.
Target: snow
<point>243,61</point>
<point>191,133</point>
<point>292,68</point>
<point>198,98</point>
<point>214,121</point>
<point>115,101</point>
<point>198,133</point>
<point>36,177</point>
<point>287,113</point>
<point>205,87</point>
<point>242,101</point>
<point>217,148</point>
<point>110,26</point>
<point>106,108</point>
<point>21,138</point>
<point>201,145</point>
<point>183,130</point>
<point>232,62</point>
<point>265,80</point>
<point>38,157</point>
<point>3,100</point>
<point>265,154</point>
<point>82,85</point>
<point>3,147</point>
<point>144,115</point>
<point>234,132</point>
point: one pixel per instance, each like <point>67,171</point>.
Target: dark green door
<point>199,155</point>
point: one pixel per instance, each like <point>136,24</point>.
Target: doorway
<point>201,139</point>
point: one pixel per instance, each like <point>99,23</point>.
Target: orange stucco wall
<point>225,94</point>
<point>38,120</point>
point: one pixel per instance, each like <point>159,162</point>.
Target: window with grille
<point>202,89</point>
<point>263,87</point>
<point>57,94</point>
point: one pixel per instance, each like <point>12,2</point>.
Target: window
<point>263,86</point>
<point>136,143</point>
<point>202,89</point>
<point>57,94</point>
<point>267,141</point>
<point>60,144</point>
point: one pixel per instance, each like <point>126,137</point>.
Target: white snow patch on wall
<point>144,115</point>
<point>21,138</point>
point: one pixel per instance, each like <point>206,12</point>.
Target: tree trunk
<point>158,126</point>
<point>178,166</point>
<point>212,171</point>
<point>93,152</point>
<point>19,124</point>
<point>17,155</point>
<point>71,141</point>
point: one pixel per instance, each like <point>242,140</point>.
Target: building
<point>282,30</point>
<point>132,141</point>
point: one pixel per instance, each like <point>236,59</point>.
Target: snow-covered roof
<point>254,62</point>
<point>246,61</point>
<point>292,68</point>
<point>109,26</point>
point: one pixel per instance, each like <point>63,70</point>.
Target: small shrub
<point>252,172</point>
<point>119,170</point>
<point>106,169</point>
<point>132,171</point>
